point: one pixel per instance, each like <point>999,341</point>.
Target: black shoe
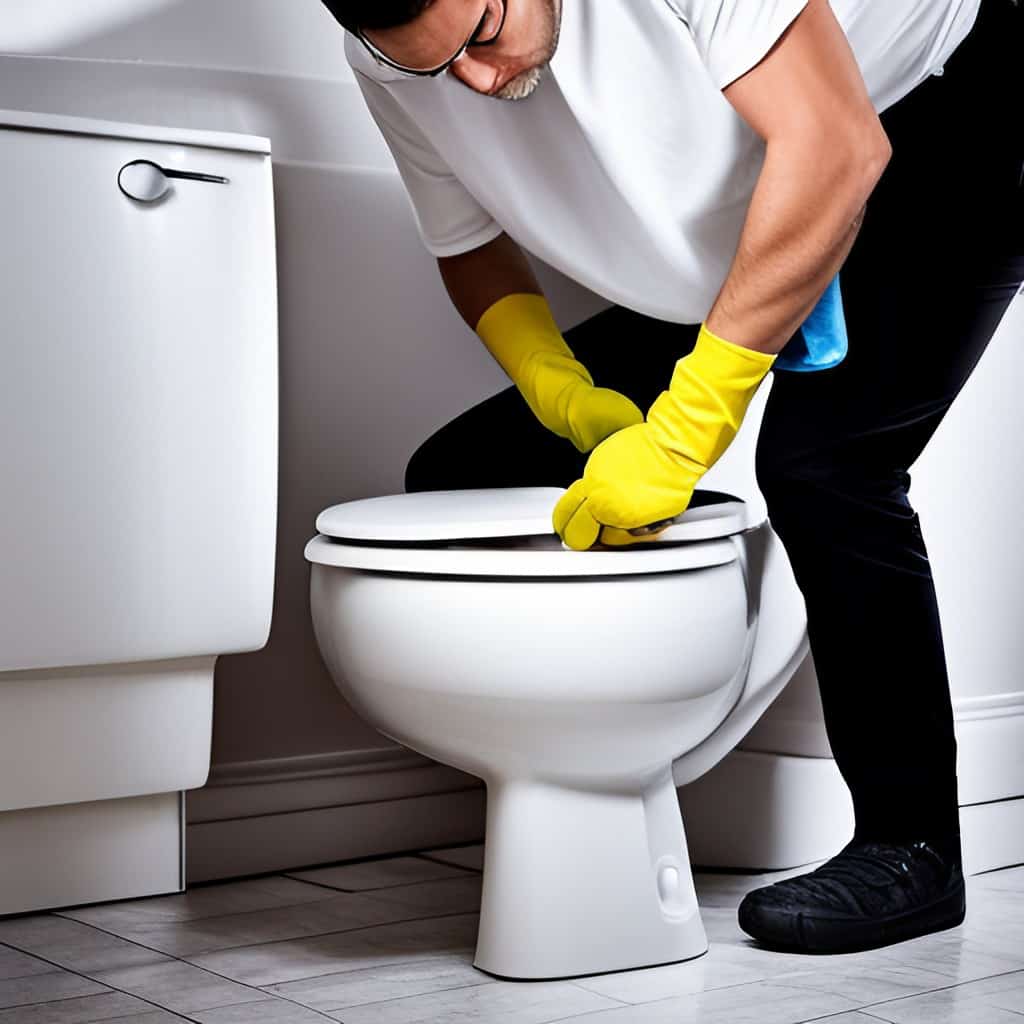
<point>870,894</point>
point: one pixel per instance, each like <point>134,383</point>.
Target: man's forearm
<point>803,218</point>
<point>479,278</point>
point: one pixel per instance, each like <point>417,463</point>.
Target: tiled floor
<point>391,941</point>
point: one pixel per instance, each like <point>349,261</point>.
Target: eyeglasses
<point>473,40</point>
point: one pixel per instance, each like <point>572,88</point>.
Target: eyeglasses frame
<point>383,58</point>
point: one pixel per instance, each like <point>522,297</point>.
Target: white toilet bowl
<point>582,687</point>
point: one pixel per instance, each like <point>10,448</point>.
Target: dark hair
<point>357,14</point>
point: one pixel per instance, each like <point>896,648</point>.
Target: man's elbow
<point>871,152</point>
<point>857,162</point>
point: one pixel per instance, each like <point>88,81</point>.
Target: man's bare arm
<point>479,278</point>
<point>826,151</point>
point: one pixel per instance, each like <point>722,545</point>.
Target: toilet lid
<point>507,531</point>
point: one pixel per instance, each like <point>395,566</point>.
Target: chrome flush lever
<point>146,181</point>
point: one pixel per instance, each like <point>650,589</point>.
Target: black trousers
<point>937,261</point>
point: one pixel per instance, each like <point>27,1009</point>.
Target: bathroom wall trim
<point>308,766</point>
<point>990,706</point>
<point>283,813</point>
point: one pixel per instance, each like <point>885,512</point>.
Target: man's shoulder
<point>360,61</point>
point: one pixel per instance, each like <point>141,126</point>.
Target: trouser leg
<point>499,442</point>
<point>938,259</point>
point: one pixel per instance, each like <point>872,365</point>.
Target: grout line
<point>942,988</point>
<point>258,910</point>
<point>411,995</point>
<point>383,888</point>
<point>81,974</point>
<point>831,1016</point>
<point>320,885</point>
<point>268,942</point>
<point>17,977</point>
<point>323,935</point>
<point>681,995</point>
<point>268,996</point>
<point>329,974</point>
<point>448,863</point>
<point>134,1013</point>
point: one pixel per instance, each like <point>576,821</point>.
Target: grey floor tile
<point>72,944</point>
<point>712,970</point>
<point>270,1011</point>
<point>750,954</point>
<point>374,984</point>
<point>203,901</point>
<point>179,986</point>
<point>861,982</point>
<point>464,856</point>
<point>996,1000</point>
<point>15,964</point>
<point>754,1003</point>
<point>952,953</point>
<point>404,942</point>
<point>79,1010</point>
<point>498,1002</point>
<point>446,896</point>
<point>340,912</point>
<point>391,941</point>
<point>378,874</point>
<point>156,1017</point>
<point>1004,905</point>
<point>758,1003</point>
<point>851,1017</point>
<point>1005,878</point>
<point>41,988</point>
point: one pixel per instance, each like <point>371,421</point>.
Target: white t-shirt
<point>627,169</point>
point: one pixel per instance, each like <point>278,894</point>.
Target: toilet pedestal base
<point>584,881</point>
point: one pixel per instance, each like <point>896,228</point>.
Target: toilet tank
<point>138,394</point>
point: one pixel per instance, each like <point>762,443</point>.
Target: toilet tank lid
<point>494,512</point>
<point>123,130</point>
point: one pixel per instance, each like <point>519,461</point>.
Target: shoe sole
<point>806,933</point>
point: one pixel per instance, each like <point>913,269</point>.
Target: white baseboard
<point>770,812</point>
<point>263,816</point>
<point>754,810</point>
<point>990,747</point>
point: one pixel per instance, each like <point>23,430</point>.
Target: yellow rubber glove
<point>520,332</point>
<point>647,472</point>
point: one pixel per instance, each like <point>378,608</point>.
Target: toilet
<point>582,687</point>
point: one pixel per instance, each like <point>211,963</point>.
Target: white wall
<point>278,37</point>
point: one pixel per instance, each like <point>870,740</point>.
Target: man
<point>707,165</point>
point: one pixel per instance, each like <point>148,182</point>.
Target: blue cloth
<point>821,342</point>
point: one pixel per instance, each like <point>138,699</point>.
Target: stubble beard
<point>525,82</point>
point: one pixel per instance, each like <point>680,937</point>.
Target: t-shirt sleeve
<point>449,219</point>
<point>732,36</point>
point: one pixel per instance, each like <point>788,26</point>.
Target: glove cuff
<point>711,387</point>
<point>520,332</point>
<point>520,327</point>
<point>721,358</point>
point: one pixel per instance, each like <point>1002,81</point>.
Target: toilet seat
<point>507,531</point>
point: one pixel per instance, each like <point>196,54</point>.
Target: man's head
<point>510,41</point>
